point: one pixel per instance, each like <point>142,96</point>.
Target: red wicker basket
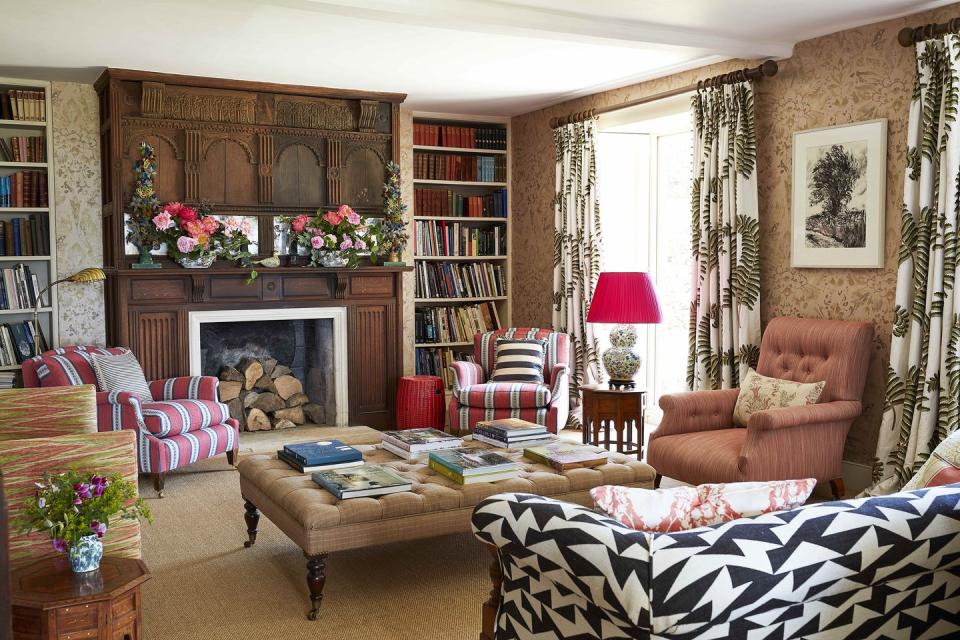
<point>420,402</point>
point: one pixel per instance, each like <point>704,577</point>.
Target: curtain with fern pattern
<point>576,248</point>
<point>724,334</point>
<point>922,404</point>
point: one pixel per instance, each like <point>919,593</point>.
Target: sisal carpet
<point>206,586</point>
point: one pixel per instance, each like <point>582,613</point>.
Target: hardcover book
<point>421,439</point>
<point>282,455</point>
<point>510,427</point>
<point>325,452</point>
<point>564,455</point>
<point>364,481</point>
<point>515,443</point>
<point>473,479</point>
<point>467,462</point>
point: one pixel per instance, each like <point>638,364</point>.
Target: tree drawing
<point>833,179</point>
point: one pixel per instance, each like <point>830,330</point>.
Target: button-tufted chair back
<point>808,350</point>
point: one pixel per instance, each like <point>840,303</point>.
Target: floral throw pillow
<point>758,393</point>
<point>942,467</point>
<point>680,508</point>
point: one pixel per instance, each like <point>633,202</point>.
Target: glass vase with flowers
<point>333,238</point>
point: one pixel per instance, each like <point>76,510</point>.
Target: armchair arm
<point>559,379</point>
<point>696,411</point>
<point>118,410</point>
<point>570,546</point>
<point>185,388</point>
<point>466,373</point>
<point>836,411</point>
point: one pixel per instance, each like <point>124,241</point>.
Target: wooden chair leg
<point>837,488</point>
<point>316,578</point>
<point>158,479</point>
<point>231,457</point>
<point>251,516</point>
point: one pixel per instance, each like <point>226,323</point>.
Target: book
<point>507,428</point>
<point>563,455</point>
<point>525,442</point>
<point>364,481</point>
<point>417,440</point>
<point>470,462</point>
<point>325,452</point>
<point>472,479</point>
<point>403,453</point>
<point>281,455</point>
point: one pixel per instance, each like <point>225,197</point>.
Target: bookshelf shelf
<point>459,300</point>
<point>461,219</point>
<point>24,258</point>
<point>24,209</point>
<point>19,312</point>
<point>23,165</point>
<point>461,258</point>
<point>461,183</point>
<point>423,345</point>
<point>425,147</point>
<point>24,124</point>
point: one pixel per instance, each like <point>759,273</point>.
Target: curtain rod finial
<point>905,37</point>
<point>769,68</point>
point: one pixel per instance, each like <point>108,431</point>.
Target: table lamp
<point>624,298</point>
<point>90,274</point>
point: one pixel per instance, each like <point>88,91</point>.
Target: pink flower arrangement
<point>196,233</point>
<point>186,244</point>
<point>341,231</point>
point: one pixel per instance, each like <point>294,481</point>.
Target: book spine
<point>445,472</point>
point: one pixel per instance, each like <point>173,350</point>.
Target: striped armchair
<point>474,399</point>
<point>183,423</point>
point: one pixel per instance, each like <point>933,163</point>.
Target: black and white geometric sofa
<point>884,567</point>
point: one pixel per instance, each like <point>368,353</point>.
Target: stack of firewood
<point>262,394</point>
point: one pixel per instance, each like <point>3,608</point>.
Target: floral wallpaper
<point>76,167</point>
<point>405,132</point>
<point>849,76</point>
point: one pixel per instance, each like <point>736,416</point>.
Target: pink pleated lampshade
<point>625,297</point>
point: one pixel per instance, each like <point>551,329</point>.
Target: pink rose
<point>344,210</point>
<point>359,245</point>
<point>209,224</point>
<point>186,244</point>
<point>246,227</point>
<point>316,242</point>
<point>192,227</point>
<point>186,214</point>
<point>333,217</point>
<point>173,208</point>
<point>353,218</point>
<point>299,222</point>
<point>346,244</point>
<point>232,224</point>
<point>163,221</point>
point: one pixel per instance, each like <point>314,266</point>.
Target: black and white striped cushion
<point>121,373</point>
<point>518,361</point>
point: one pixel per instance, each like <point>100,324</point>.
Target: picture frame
<point>839,196</point>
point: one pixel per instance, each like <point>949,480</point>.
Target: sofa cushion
<point>70,366</point>
<point>121,373</point>
<point>505,395</point>
<point>759,392</point>
<point>942,467</point>
<point>680,508</point>
<point>518,361</point>
<point>173,417</point>
<point>45,413</point>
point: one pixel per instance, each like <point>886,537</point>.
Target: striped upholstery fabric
<point>518,361</point>
<point>185,388</point>
<point>556,349</point>
<point>159,455</point>
<point>65,366</point>
<point>44,413</point>
<point>515,395</point>
<point>25,461</point>
<point>121,373</point>
<point>174,417</point>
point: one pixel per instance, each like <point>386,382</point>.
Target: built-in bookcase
<point>462,234</point>
<point>25,127</point>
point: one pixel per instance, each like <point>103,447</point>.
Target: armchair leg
<point>837,488</point>
<point>231,457</point>
<point>158,479</point>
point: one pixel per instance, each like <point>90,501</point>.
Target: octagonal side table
<point>618,413</point>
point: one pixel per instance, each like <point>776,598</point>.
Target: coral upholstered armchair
<point>697,442</point>
<point>474,399</point>
<point>184,423</point>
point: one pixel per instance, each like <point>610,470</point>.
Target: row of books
<point>19,287</point>
<point>24,189</point>
<point>17,342</point>
<point>436,361</point>
<point>410,444</point>
<point>441,238</point>
<point>436,135</point>
<point>25,236</point>
<point>443,202</point>
<point>454,324</point>
<point>463,280</point>
<point>23,104</point>
<point>443,166</point>
<point>7,379</point>
<point>24,149</point>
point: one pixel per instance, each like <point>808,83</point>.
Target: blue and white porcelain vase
<point>85,555</point>
<point>621,360</point>
<point>333,258</point>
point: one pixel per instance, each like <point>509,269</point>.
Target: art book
<point>364,481</point>
<point>325,452</point>
<point>564,455</point>
<point>467,462</point>
<point>415,440</point>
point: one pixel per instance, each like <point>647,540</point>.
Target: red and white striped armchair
<point>184,423</point>
<point>474,399</point>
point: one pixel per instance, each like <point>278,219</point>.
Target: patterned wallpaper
<point>405,132</point>
<point>854,75</point>
<point>76,166</point>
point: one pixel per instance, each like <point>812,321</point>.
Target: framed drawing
<point>839,176</point>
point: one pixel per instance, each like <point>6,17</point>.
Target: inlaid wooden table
<point>51,602</point>
<point>618,410</point>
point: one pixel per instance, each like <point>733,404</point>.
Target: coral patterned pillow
<point>679,508</point>
<point>758,393</point>
<point>942,467</point>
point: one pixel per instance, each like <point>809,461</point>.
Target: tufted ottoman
<point>319,523</point>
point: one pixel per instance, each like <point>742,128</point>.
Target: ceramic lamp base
<point>621,360</point>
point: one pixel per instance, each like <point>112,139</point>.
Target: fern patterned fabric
<point>922,403</point>
<point>576,247</point>
<point>724,333</point>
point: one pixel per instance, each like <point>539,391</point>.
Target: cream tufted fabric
<point>318,522</point>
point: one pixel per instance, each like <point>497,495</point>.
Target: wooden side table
<point>619,410</point>
<point>50,601</point>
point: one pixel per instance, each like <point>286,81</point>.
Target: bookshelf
<point>36,223</point>
<point>462,230</point>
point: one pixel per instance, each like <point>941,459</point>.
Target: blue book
<point>16,236</point>
<point>325,452</point>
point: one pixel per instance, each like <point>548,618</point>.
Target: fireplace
<point>304,352</point>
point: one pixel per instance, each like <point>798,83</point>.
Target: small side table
<point>51,601</point>
<point>621,410</point>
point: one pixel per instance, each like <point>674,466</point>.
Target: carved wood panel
<point>156,341</point>
<point>168,149</point>
<point>361,175</point>
<point>265,168</point>
<point>299,175</point>
<point>228,172</point>
<point>369,326</point>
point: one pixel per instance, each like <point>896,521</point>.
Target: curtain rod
<point>909,36</point>
<point>766,69</point>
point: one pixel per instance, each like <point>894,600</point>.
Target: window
<point>644,164</point>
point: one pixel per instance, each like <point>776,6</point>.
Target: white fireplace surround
<point>337,314</point>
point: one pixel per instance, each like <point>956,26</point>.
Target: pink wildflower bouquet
<point>342,231</point>
<point>195,233</point>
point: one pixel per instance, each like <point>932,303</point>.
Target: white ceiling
<point>490,57</point>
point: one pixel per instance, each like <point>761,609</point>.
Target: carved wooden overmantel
<point>253,149</point>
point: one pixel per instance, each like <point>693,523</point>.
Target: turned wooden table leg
<point>316,578</point>
<point>252,516</point>
<point>491,606</point>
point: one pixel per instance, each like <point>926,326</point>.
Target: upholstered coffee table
<point>320,524</point>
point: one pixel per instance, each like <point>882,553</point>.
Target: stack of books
<point>7,379</point>
<point>563,455</point>
<point>365,481</point>
<point>470,466</point>
<point>17,342</point>
<point>511,432</point>
<point>307,457</point>
<point>410,443</point>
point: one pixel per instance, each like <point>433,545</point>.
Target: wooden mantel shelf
<point>169,270</point>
